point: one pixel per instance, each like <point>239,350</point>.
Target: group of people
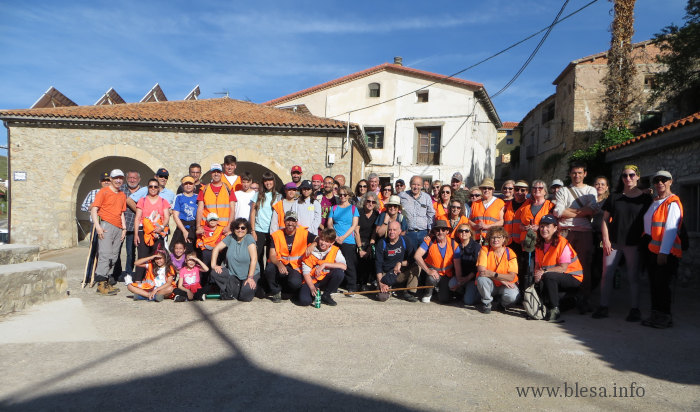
<point>241,238</point>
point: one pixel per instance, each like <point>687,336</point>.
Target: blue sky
<point>259,50</point>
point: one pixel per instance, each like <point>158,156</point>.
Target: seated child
<point>207,241</point>
<point>158,280</point>
<point>188,285</point>
<point>177,257</point>
<point>323,269</point>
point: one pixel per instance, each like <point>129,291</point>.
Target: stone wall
<point>55,159</point>
<point>26,284</point>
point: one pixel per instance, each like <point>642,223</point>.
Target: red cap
<point>296,169</point>
<point>317,177</point>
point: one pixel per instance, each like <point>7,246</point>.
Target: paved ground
<point>109,353</point>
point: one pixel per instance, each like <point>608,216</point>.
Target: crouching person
<point>323,269</point>
<point>158,280</point>
<point>392,266</point>
<point>287,248</point>
<point>497,267</point>
<point>442,260</point>
<point>242,273</point>
<point>556,265</point>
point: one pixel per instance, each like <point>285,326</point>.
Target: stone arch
<point>247,156</point>
<point>77,171</point>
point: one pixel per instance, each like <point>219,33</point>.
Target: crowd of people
<point>239,237</point>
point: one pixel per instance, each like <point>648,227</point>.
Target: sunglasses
<point>474,195</point>
<point>537,188</point>
<point>497,238</point>
<point>661,179</point>
<point>507,188</point>
<point>463,231</point>
<point>371,202</point>
<point>485,188</point>
<point>628,175</point>
<point>443,229</point>
<point>188,183</point>
<point>362,186</point>
<point>400,184</point>
<point>241,228</point>
<point>343,195</point>
<point>153,187</point>
<point>455,207</point>
<point>388,206</point>
<point>521,190</point>
<point>445,192</point>
<point>386,189</point>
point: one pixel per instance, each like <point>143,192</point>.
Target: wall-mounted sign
<point>20,176</point>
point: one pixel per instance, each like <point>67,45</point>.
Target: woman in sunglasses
<point>464,281</point>
<point>344,218</point>
<point>435,192</point>
<point>239,279</point>
<point>442,205</point>
<point>384,195</point>
<point>151,224</point>
<point>360,189</point>
<point>392,213</point>
<point>456,218</point>
<point>666,239</point>
<point>621,230</point>
<point>367,225</point>
<point>439,257</point>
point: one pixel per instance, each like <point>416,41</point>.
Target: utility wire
<point>475,64</point>
<point>532,55</point>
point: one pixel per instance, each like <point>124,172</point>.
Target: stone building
<point>674,147</point>
<point>571,118</point>
<point>507,140</point>
<point>57,153</point>
<point>415,122</point>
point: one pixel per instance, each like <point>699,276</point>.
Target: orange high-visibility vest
<point>149,278</point>
<point>294,257</point>
<point>208,240</point>
<point>525,217</point>
<point>486,216</point>
<point>236,185</point>
<point>462,221</point>
<point>443,265</point>
<point>550,259</point>
<point>440,212</point>
<point>312,261</point>
<point>658,227</point>
<point>218,204</point>
<point>499,266</point>
<point>510,223</point>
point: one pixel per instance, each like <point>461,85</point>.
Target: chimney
<point>398,60</point>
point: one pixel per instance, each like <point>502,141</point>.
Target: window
<point>422,96</point>
<point>374,90</point>
<point>375,137</point>
<point>509,132</point>
<point>509,140</point>
<point>649,82</point>
<point>548,113</point>
<point>428,145</point>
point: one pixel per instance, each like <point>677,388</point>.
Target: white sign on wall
<point>20,176</point>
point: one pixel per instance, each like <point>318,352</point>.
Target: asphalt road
<point>112,353</point>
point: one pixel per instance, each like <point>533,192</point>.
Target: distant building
<point>508,139</point>
<point>571,118</point>
<point>415,122</point>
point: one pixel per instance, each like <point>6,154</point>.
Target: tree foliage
<point>621,69</point>
<point>679,86</point>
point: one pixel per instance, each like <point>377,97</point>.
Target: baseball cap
<point>400,182</point>
<point>162,172</point>
<point>215,166</point>
<point>663,173</point>
<point>212,216</point>
<point>104,176</point>
<point>549,219</point>
<point>290,185</point>
<point>317,178</point>
<point>296,169</point>
<point>116,173</point>
<point>291,215</point>
<point>457,176</point>
<point>557,182</point>
<point>305,184</point>
<point>187,179</point>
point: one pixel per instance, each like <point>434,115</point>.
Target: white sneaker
<point>127,279</point>
<point>425,299</point>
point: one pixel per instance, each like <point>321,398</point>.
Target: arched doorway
<point>90,180</point>
<point>255,169</point>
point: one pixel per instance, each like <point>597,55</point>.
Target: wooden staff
<point>367,292</point>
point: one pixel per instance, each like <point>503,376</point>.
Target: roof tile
<point>695,117</point>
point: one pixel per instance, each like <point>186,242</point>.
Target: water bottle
<point>317,300</point>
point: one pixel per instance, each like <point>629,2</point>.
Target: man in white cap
<point>107,213</point>
<point>458,192</point>
<point>215,198</point>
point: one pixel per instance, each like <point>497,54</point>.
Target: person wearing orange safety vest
<point>159,278</point>
<point>229,179</point>
<point>455,217</point>
<point>557,266</point>
<point>439,256</point>
<point>510,221</point>
<point>287,249</point>
<point>288,203</point>
<point>323,269</point>
<point>497,270</point>
<point>215,198</point>
<point>486,212</point>
<point>663,229</point>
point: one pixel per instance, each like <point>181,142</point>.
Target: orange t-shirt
<point>110,205</point>
<point>508,263</point>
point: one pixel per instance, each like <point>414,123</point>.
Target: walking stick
<point>368,292</point>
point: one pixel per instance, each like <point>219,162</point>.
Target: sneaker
<point>128,279</point>
<point>179,298</point>
<point>600,313</point>
<point>104,289</point>
<point>658,320</point>
<point>328,300</point>
<point>158,297</point>
<point>485,309</point>
<point>425,299</point>
<point>634,316</point>
<point>139,297</point>
<point>277,297</point>
<point>554,316</point>
<point>204,297</point>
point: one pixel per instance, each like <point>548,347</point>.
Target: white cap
<point>116,173</point>
<point>212,216</point>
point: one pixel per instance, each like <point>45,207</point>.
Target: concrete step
<point>18,253</point>
<point>26,284</point>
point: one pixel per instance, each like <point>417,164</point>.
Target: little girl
<point>188,284</point>
<point>178,255</point>
<point>158,280</point>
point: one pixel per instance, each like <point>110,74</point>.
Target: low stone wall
<point>26,284</point>
<point>16,253</point>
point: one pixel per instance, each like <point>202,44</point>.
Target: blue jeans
<point>416,239</point>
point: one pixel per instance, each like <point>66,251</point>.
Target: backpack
<point>534,308</point>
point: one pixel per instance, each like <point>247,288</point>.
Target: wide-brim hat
<point>488,182</point>
<point>440,224</point>
<point>393,200</point>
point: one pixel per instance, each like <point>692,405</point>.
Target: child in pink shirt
<point>188,283</point>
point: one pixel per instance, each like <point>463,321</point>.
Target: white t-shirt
<point>339,258</point>
<point>243,201</point>
<point>587,196</point>
<point>231,179</point>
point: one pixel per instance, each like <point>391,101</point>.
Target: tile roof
<point>510,125</point>
<point>219,111</point>
<point>693,118</point>
<point>382,67</point>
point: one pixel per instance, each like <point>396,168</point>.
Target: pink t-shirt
<point>190,277</point>
<point>565,254</point>
<point>160,206</point>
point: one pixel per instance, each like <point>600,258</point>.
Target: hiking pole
<point>368,292</point>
